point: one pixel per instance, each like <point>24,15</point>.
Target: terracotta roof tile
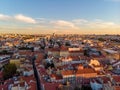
<point>117,88</point>
<point>85,71</point>
<point>116,78</point>
<point>105,79</point>
<point>67,72</point>
<point>3,87</point>
<point>51,86</point>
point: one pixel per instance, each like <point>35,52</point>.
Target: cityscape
<point>60,45</point>
<point>59,62</point>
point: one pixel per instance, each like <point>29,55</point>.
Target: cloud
<point>63,23</point>
<point>25,19</point>
<point>102,24</point>
<point>18,22</point>
<point>97,23</point>
<point>17,18</point>
<point>79,21</point>
<point>4,17</point>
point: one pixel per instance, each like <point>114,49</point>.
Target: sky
<point>60,16</point>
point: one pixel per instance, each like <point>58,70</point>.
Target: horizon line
<point>58,34</point>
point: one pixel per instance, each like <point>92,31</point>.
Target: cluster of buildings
<point>62,62</point>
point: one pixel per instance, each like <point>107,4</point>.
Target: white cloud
<point>17,18</point>
<point>80,21</point>
<point>59,26</point>
<point>25,19</point>
<point>4,17</point>
<point>41,20</point>
<point>102,24</point>
<point>97,23</point>
<point>63,23</point>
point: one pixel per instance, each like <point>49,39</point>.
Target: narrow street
<point>36,74</point>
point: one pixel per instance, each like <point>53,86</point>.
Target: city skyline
<point>60,16</point>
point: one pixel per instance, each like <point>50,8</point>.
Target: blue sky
<point>54,16</point>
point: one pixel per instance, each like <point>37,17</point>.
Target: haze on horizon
<point>60,16</point>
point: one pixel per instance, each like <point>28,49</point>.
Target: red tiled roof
<point>105,79</point>
<point>76,51</point>
<point>80,66</point>
<point>67,72</point>
<point>1,75</point>
<point>56,76</point>
<point>116,78</point>
<point>8,81</point>
<point>51,86</point>
<point>117,88</point>
<point>42,71</point>
<point>54,49</point>
<point>73,57</point>
<point>64,66</point>
<point>64,48</point>
<point>25,52</point>
<point>40,56</point>
<point>95,56</point>
<point>3,87</point>
<point>28,78</point>
<point>32,86</point>
<point>85,71</point>
<point>22,84</point>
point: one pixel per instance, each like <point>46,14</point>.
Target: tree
<point>86,88</point>
<point>9,70</point>
<point>101,39</point>
<point>76,88</point>
<point>59,43</point>
<point>67,44</point>
<point>45,55</point>
<point>6,52</point>
<point>100,53</point>
<point>26,48</point>
<point>86,52</point>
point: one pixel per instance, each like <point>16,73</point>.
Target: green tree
<point>9,70</point>
<point>76,88</point>
<point>101,39</point>
<point>67,44</point>
<point>86,88</point>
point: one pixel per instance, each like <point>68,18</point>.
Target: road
<point>36,74</point>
